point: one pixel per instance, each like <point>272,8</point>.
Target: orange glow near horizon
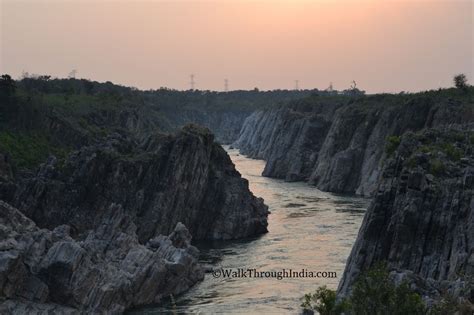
<point>383,45</point>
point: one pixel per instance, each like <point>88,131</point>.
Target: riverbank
<point>308,229</point>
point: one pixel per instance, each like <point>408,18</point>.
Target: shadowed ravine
<point>308,229</point>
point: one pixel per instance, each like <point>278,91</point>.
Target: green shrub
<point>392,144</point>
<point>426,149</point>
<point>451,151</point>
<point>372,294</point>
<point>449,305</point>
<point>411,162</point>
<point>28,150</point>
<point>324,302</point>
<point>437,167</point>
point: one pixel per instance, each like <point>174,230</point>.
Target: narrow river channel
<point>309,230</point>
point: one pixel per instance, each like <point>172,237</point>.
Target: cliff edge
<point>421,221</point>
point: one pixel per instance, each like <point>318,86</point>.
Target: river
<point>308,230</point>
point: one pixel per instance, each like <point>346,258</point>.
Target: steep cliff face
<point>339,144</point>
<point>288,138</point>
<point>185,178</point>
<point>45,271</point>
<point>224,124</point>
<point>421,221</point>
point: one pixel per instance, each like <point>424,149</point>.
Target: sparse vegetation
<point>92,109</point>
<point>85,109</point>
<point>451,151</point>
<point>392,144</point>
<point>449,305</point>
<point>324,302</point>
<point>373,293</point>
<point>437,167</point>
<point>28,150</point>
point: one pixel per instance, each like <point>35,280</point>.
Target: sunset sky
<point>386,46</point>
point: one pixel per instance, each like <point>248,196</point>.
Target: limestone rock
<point>421,220</point>
<point>160,181</point>
<point>339,145</point>
<point>48,271</point>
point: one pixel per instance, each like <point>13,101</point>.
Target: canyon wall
<point>87,232</point>
<point>421,220</point>
<point>338,144</point>
<point>161,181</point>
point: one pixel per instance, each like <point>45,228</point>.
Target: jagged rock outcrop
<point>421,221</point>
<point>338,144</point>
<point>164,180</point>
<point>225,125</point>
<point>49,271</point>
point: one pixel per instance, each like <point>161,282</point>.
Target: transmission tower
<point>226,85</point>
<point>330,88</point>
<point>353,85</point>
<point>297,85</point>
<point>72,74</point>
<point>192,82</point>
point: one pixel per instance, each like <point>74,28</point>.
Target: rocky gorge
<point>413,154</point>
<point>421,220</point>
<point>87,232</point>
<point>164,180</point>
<point>102,191</point>
<point>338,143</point>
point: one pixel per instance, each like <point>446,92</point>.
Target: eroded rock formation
<point>107,271</point>
<point>166,179</point>
<point>421,221</point>
<point>88,234</point>
<point>338,144</point>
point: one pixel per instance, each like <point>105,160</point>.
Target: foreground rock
<point>164,180</point>
<point>337,143</point>
<point>421,221</point>
<point>43,270</point>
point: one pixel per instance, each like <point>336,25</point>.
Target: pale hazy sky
<point>384,45</point>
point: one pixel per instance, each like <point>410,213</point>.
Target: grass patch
<point>28,150</point>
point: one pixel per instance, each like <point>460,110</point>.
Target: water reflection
<point>308,229</point>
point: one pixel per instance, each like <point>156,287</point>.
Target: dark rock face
<point>43,270</point>
<point>162,181</point>
<point>5,168</point>
<point>88,235</point>
<point>225,125</point>
<point>7,185</point>
<point>421,221</point>
<point>288,138</point>
<point>337,146</point>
